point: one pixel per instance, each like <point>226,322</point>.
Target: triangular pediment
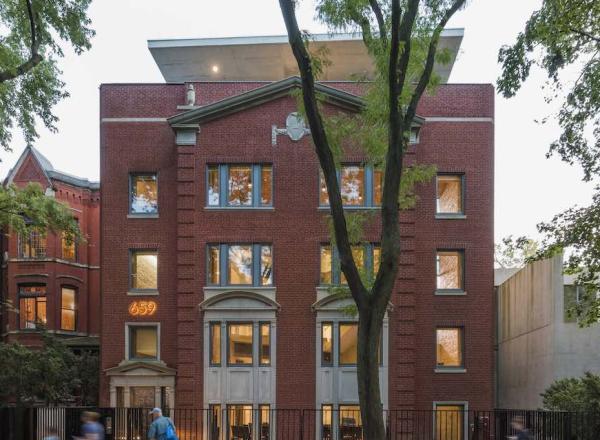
<point>31,166</point>
<point>140,369</point>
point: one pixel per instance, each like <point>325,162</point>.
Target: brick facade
<point>135,136</point>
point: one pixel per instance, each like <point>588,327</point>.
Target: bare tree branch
<point>585,34</point>
<point>380,21</point>
<point>34,58</point>
<point>426,75</point>
<point>324,153</point>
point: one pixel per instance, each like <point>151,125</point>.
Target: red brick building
<point>54,284</point>
<point>215,249</point>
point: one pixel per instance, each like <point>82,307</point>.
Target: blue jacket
<point>158,428</point>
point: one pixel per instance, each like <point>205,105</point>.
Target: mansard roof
<point>266,93</point>
<point>48,171</point>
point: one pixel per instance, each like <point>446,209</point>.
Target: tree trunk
<point>369,348</point>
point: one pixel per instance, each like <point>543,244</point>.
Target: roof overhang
<point>270,58</point>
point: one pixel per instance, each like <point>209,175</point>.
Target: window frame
<point>130,212</point>
<point>224,279</point>
<point>128,341</point>
<point>369,186</point>
<point>323,362</point>
<point>465,418</point>
<point>28,241</point>
<point>228,324</point>
<point>451,369</point>
<point>453,291</point>
<point>336,271</point>
<point>211,326</point>
<point>75,309</point>
<point>137,290</point>
<point>35,296</point>
<point>62,249</point>
<point>339,344</point>
<point>451,215</point>
<point>223,178</point>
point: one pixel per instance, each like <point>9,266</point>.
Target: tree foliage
<point>32,36</point>
<point>574,394</point>
<point>402,38</point>
<point>514,252</point>
<point>52,374</point>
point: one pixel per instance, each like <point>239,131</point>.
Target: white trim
<point>133,120</point>
<point>442,292</point>
<point>141,324</point>
<point>450,370</point>
<point>465,405</point>
<point>269,39</point>
<point>458,119</point>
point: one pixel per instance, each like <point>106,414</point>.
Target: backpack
<point>170,434</point>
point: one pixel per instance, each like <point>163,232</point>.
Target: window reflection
<point>266,185</point>
<point>144,194</point>
<point>377,187</point>
<point>449,270</point>
<point>266,266</point>
<point>240,344</point>
<point>214,268</point>
<point>449,347</point>
<point>213,186</point>
<point>240,185</point>
<point>350,422</point>
<point>348,344</point>
<point>449,194</point>
<point>264,412</point>
<point>326,422</point>
<point>265,343</point>
<point>143,342</point>
<point>239,419</point>
<point>326,264</point>
<point>32,307</point>
<point>214,423</point>
<point>358,253</point>
<point>68,309</point>
<point>352,185</point>
<point>215,343</point>
<point>327,344</point>
<point>240,264</point>
<point>144,270</point>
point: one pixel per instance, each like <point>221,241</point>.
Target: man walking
<point>161,428</point>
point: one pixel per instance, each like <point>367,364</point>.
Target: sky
<point>528,187</point>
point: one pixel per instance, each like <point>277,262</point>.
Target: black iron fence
<point>243,422</point>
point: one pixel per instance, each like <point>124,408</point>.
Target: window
<point>214,423</point>
<point>244,264</point>
<point>239,339</point>
<point>326,422</point>
<point>265,343</point>
<point>143,190</point>
<point>68,309</point>
<point>32,307</point>
<point>367,258</point>
<point>572,295</point>
<point>450,271</point>
<point>239,186</point>
<point>68,248</point>
<point>450,194</point>
<point>449,421</point>
<point>215,343</point>
<point>239,420</point>
<point>264,422</point>
<point>143,342</point>
<point>350,422</point>
<point>449,348</point>
<point>327,344</point>
<point>32,245</point>
<point>360,186</point>
<point>144,270</point>
<point>348,344</point>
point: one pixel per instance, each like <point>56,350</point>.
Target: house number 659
<point>142,308</point>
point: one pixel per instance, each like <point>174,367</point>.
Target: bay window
<point>450,271</point>
<point>143,193</point>
<point>32,307</point>
<point>360,186</point>
<point>240,264</point>
<point>366,256</point>
<point>239,185</point>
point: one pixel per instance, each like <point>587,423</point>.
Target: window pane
<point>41,318</point>
<point>266,185</point>
<point>240,264</point>
<point>32,290</point>
<point>215,422</point>
<point>377,187</point>
<point>265,344</point>
<point>326,422</point>
<point>325,265</point>
<point>214,267</point>
<point>144,194</point>
<point>449,422</point>
<point>352,185</point>
<point>215,343</point>
<point>27,313</point>
<point>449,194</point>
<point>323,196</point>
<point>327,343</point>
<point>32,307</point>
<point>264,422</point>
<point>350,422</point>
<point>358,253</point>
<point>449,270</point>
<point>348,344</point>
<point>449,347</point>
<point>68,309</point>
<point>240,344</point>
<point>143,342</point>
<point>213,186</point>
<point>68,247</point>
<point>240,185</point>
<point>240,422</point>
<point>32,245</point>
<point>144,271</point>
<point>266,266</point>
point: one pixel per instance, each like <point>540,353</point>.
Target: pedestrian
<point>161,428</point>
<point>51,434</point>
<point>91,428</point>
<point>518,426</point>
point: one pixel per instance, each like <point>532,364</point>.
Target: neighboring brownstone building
<point>54,285</point>
<point>215,249</point>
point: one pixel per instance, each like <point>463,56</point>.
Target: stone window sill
<point>142,215</point>
<point>142,292</point>
<point>353,208</point>
<point>239,208</point>
<point>456,292</point>
<point>450,216</point>
<point>450,370</point>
